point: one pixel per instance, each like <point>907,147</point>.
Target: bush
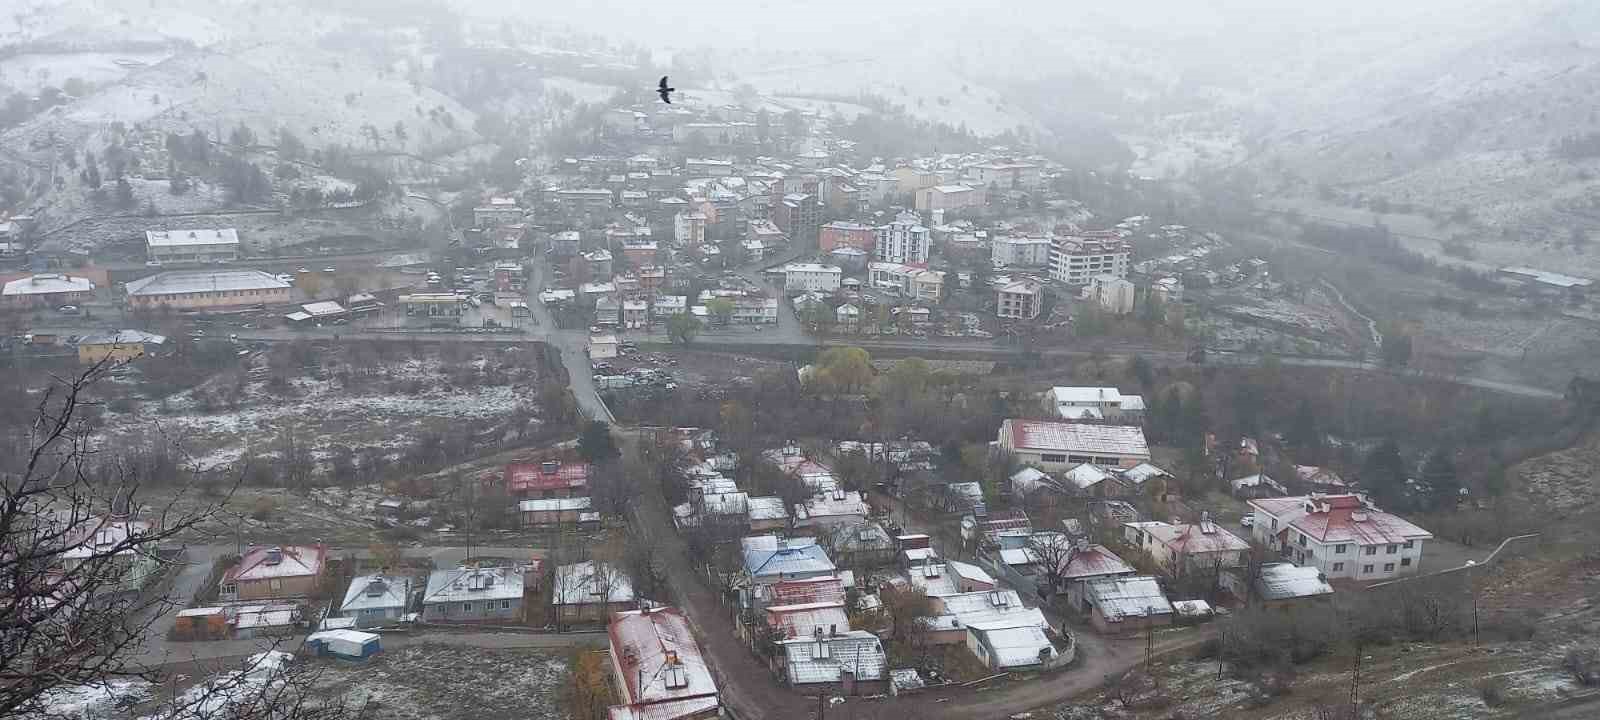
<point>263,509</point>
<point>1493,692</point>
<point>1583,665</point>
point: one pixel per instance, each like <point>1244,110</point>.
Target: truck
<point>612,382</point>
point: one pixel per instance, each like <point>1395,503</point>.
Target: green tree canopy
<point>844,369</point>
<point>682,327</point>
<point>595,442</point>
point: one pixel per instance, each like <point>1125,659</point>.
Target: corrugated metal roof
<point>1196,538</point>
<point>1086,476</point>
<point>666,710</point>
<point>1013,646</point>
<point>376,591</point>
<point>468,584</point>
<point>656,657</point>
<point>801,621</point>
<point>1341,518</point>
<point>1286,581</point>
<point>279,561</point>
<point>795,556</point>
<point>554,504</point>
<point>1121,597</point>
<point>1068,437</point>
<point>991,606</point>
<point>1142,472</point>
<point>1095,561</point>
<point>808,590</point>
<point>767,508</point>
<point>198,281</point>
<point>821,661</point>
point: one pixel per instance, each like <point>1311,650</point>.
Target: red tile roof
<point>297,561</point>
<point>809,590</point>
<point>1095,561</point>
<point>1340,519</point>
<point>531,477</point>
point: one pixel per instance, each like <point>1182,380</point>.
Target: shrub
<point>1583,665</point>
<point>1493,692</point>
<point>263,509</point>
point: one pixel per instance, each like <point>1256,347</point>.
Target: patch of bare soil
<point>1565,484</point>
<point>436,682</point>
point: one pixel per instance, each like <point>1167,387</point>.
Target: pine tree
<point>124,193</point>
<point>1384,474</point>
<point>91,171</point>
<point>1439,473</point>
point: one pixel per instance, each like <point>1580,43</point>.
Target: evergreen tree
<point>1439,473</point>
<point>91,171</point>
<point>199,147</point>
<point>124,193</point>
<point>1384,474</point>
<point>1303,434</point>
<point>596,442</point>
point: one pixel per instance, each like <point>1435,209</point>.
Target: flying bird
<point>665,91</point>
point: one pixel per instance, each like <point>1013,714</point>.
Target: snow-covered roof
<point>802,620</point>
<point>1123,597</point>
<point>659,665</point>
<point>1142,472</point>
<point>766,508</point>
<point>46,284</point>
<point>813,660</point>
<point>590,583</point>
<point>1068,437</point>
<point>1095,561</point>
<point>1286,581</point>
<point>278,561</point>
<point>969,571</point>
<point>991,606</point>
<point>1013,646</point>
<point>186,238</point>
<point>766,556</point>
<point>554,504</point>
<point>1195,538</point>
<point>376,591</point>
<point>1086,476</point>
<point>100,536</point>
<point>1340,518</point>
<point>198,281</point>
<point>468,584</point>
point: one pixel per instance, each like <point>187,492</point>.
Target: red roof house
<point>547,479</point>
<point>659,667</point>
<point>275,572</point>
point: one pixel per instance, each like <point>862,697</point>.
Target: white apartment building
<point>1344,536</point>
<point>1076,259</point>
<point>1006,175</point>
<point>903,241</point>
<point>192,246</point>
<point>1093,403</point>
<point>1020,251</point>
<point>806,277</point>
<point>1113,294</point>
<point>1019,300</point>
<point>907,281</point>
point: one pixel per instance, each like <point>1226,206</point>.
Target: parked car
<point>152,263</point>
<point>69,310</point>
<point>1248,521</point>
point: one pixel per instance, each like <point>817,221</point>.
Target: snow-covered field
<point>436,682</point>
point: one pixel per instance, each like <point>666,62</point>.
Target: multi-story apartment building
<point>1344,536</point>
<point>842,233</point>
<point>799,215</point>
<point>1076,259</point>
<point>808,277</point>
<point>1020,251</point>
<point>903,241</point>
<point>1019,300</point>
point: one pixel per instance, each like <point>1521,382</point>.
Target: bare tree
<point>1055,552</point>
<point>79,552</point>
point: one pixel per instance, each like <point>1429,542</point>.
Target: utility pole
<point>1355,683</point>
<point>1149,638</point>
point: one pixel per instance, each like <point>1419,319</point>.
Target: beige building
<point>1020,300</point>
<point>204,290</point>
<point>1113,294</point>
<point>948,197</point>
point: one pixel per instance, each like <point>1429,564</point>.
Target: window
<point>1393,549</point>
<point>1338,549</point>
<point>1274,523</point>
<point>277,584</point>
<point>230,589</point>
<point>1405,562</point>
<point>1410,544</point>
<point>1372,550</point>
<point>1053,458</point>
<point>466,607</point>
<point>1302,539</point>
<point>505,604</point>
<point>1338,567</point>
<point>1388,567</point>
<point>1366,569</point>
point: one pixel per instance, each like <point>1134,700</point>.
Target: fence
<point>1509,547</point>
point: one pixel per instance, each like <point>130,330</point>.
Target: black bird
<point>664,91</point>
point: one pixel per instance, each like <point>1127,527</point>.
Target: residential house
<point>599,263</point>
<point>1087,562</point>
<point>1003,647</point>
<point>118,347</point>
<point>847,317</point>
<point>1075,260</point>
<point>547,479</point>
<point>851,259</point>
<point>276,572</point>
<point>373,600</point>
<point>1127,604</point>
<point>1284,585</point>
<point>584,200</point>
<point>1006,175</point>
<point>836,506</point>
<point>1093,403</point>
<point>635,314</point>
<point>857,543</point>
<point>848,663</point>
<point>591,591</point>
<point>769,559</point>
<point>754,311</point>
<point>1019,300</point>
<point>1343,536</point>
<point>1094,481</point>
<point>766,514</point>
<point>607,311</point>
<point>805,620</point>
<point>113,545</point>
<point>555,511</point>
<point>658,668</point>
<point>206,290</point>
<point>938,578</point>
<point>191,246</point>
<point>602,347</point>
<point>1314,479</point>
<point>689,228</point>
<point>1187,548</point>
<point>1054,446</point>
<point>473,594</point>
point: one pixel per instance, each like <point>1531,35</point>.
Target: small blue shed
<point>346,644</point>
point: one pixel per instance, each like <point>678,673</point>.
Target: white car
<point>1247,521</point>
